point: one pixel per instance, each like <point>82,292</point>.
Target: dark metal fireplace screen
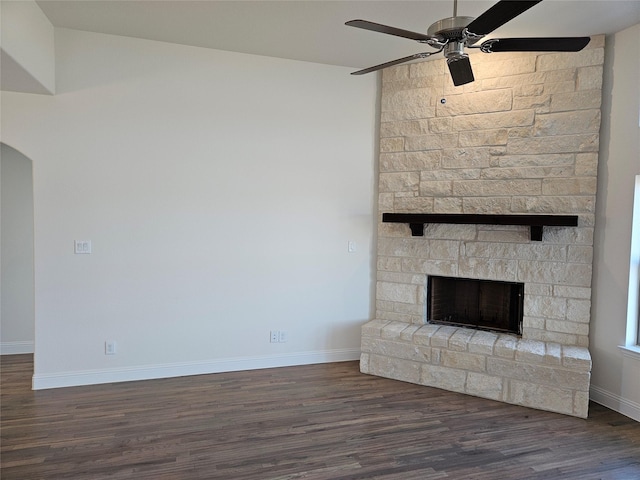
<point>480,304</point>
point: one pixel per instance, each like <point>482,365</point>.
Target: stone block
<point>431,142</point>
<point>538,103</point>
<point>436,188</point>
<point>410,161</point>
<point>567,123</point>
<point>485,386</point>
<point>569,186</point>
<point>427,68</point>
<point>396,317</point>
<point>440,338</point>
<point>567,327</point>
<point>553,204</point>
<point>482,343</point>
<point>441,125</point>
<point>488,205</point>
<point>572,292</point>
<point>589,78</point>
<point>423,335</point>
<point>465,158</point>
<point>579,310</point>
<point>463,361</point>
<point>581,404</point>
<point>576,358</point>
<point>413,204</point>
<point>537,160</point>
<point>499,65</point>
<point>400,72</point>
<point>397,292</point>
<point>488,269</point>
<point>484,188</point>
<point>553,145</point>
<point>560,61</point>
<point>395,368</point>
<point>477,102</point>
<point>460,339</point>
<point>553,354</point>
<point>475,138</point>
<point>407,334</point>
<point>581,100</point>
<point>390,264</point>
<point>586,164</point>
<point>399,182</point>
<point>533,322</point>
<point>403,128</point>
<point>364,363</point>
<point>399,350</point>
<point>580,254</point>
<point>447,205</point>
<point>373,328</point>
<point>488,121</point>
<point>392,144</point>
<point>450,232</point>
<point>444,249</point>
<point>442,377</point>
<point>542,306</point>
<point>529,351</point>
<point>539,374</point>
<point>392,330</point>
<point>410,103</point>
<point>541,397</point>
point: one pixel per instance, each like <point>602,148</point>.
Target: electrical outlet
<point>82,247</point>
<point>275,336</point>
<point>283,336</point>
<point>352,246</point>
<point>110,347</point>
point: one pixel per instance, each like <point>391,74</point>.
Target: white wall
<point>27,48</point>
<point>219,191</point>
<point>16,253</point>
<point>616,373</point>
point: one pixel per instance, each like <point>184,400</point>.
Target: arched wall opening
<point>17,315</point>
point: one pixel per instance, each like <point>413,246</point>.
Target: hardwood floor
<point>315,422</point>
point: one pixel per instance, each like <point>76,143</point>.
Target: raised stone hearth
<point>543,375</point>
<point>520,140</point>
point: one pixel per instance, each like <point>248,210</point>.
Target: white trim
<point>16,348</point>
<point>147,372</point>
<point>631,351</point>
<point>610,400</point>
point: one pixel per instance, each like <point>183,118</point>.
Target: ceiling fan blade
<point>498,15</point>
<point>398,32</point>
<point>550,44</point>
<point>392,63</point>
<point>460,69</point>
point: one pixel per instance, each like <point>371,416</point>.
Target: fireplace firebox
<point>480,304</point>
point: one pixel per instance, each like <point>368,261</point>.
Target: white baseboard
<point>16,348</point>
<point>148,372</point>
<point>615,402</point>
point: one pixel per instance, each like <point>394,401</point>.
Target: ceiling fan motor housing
<point>449,28</point>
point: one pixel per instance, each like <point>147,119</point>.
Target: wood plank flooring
<point>310,422</point>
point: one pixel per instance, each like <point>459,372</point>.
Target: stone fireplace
<point>520,140</point>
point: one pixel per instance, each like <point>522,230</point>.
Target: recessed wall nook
<point>522,140</point>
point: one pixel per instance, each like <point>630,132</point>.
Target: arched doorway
<point>17,316</point>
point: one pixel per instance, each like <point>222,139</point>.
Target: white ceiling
<point>314,31</point>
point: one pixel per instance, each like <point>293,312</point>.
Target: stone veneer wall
<point>521,139</point>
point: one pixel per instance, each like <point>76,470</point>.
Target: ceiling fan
<point>451,36</point>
